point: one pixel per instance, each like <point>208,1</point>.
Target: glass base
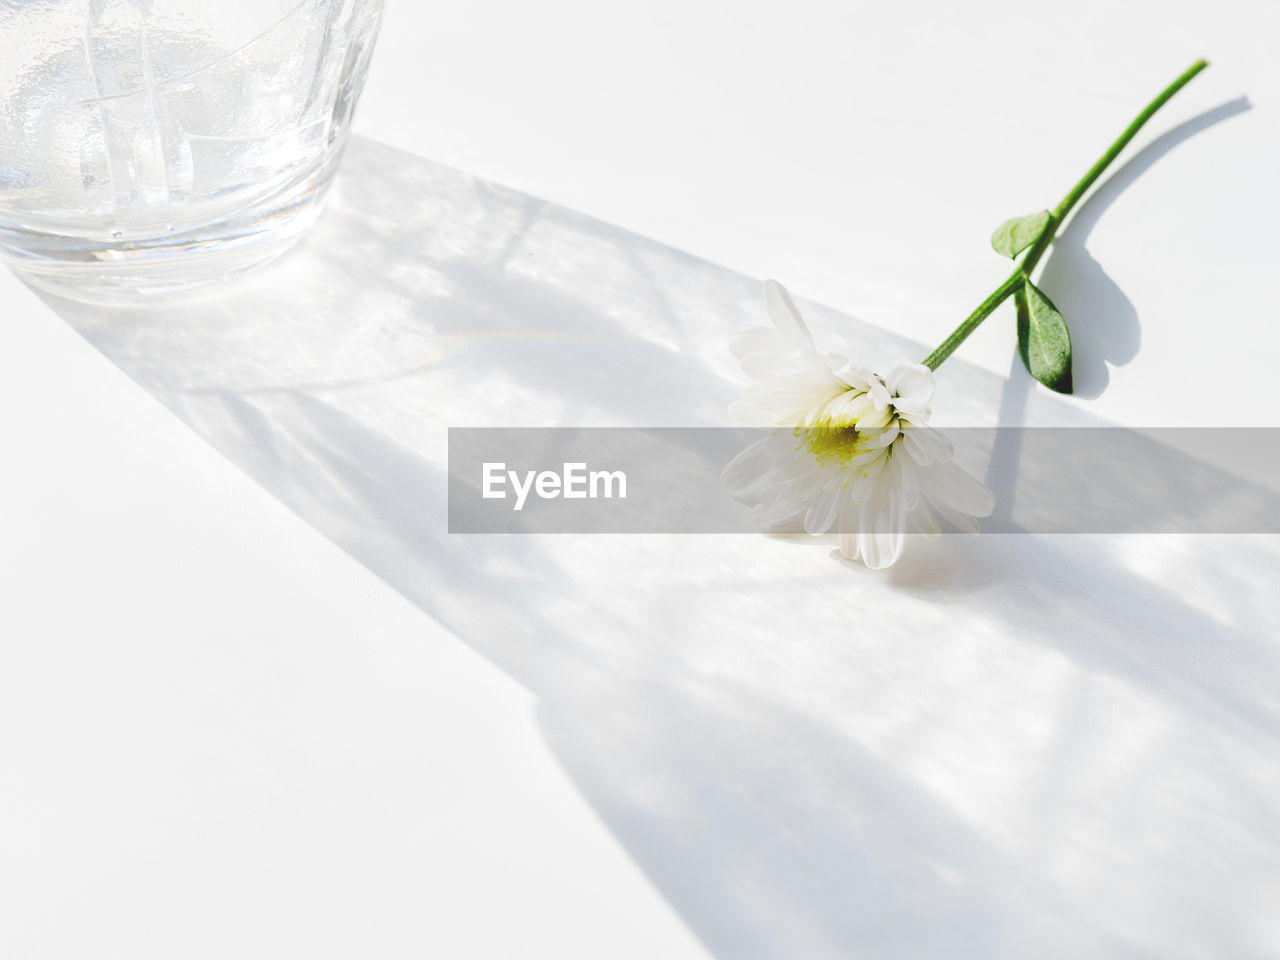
<point>139,271</point>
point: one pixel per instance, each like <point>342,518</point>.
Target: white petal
<point>922,519</point>
<point>783,505</point>
<point>910,412</point>
<point>747,469</point>
<point>822,512</point>
<point>785,316</point>
<point>912,383</point>
<point>849,546</point>
<point>925,444</point>
<point>869,455</point>
<point>760,340</point>
<point>961,521</point>
<point>880,436</point>
<point>848,407</point>
<point>864,482</point>
<point>857,376</point>
<point>815,384</point>
<point>879,394</point>
<point>795,468</point>
<point>763,365</point>
<point>910,480</point>
<point>956,495</point>
<point>877,419</point>
<point>881,536</point>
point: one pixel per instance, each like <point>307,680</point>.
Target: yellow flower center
<point>830,442</point>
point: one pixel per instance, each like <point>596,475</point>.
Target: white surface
<point>222,736</point>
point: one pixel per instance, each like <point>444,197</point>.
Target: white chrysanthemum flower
<point>855,454</point>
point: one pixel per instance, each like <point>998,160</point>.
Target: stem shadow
<point>1105,328</point>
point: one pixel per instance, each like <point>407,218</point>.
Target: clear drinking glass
<point>148,146</point>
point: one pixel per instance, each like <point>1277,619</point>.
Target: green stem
<point>1028,263</point>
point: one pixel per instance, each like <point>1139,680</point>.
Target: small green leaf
<point>1043,339</point>
<point>1014,236</point>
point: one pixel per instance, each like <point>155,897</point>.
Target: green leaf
<point>1014,236</point>
<point>1043,339</point>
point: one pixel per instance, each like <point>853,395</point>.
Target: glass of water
<point>151,146</point>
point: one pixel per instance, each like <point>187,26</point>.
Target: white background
<point>255,702</point>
